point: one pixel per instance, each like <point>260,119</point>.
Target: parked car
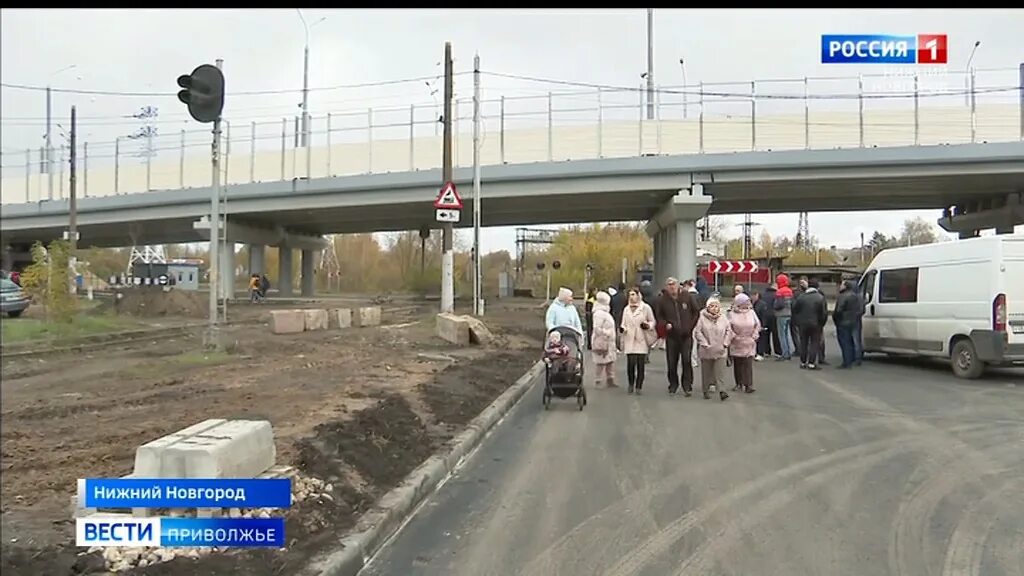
<point>12,300</point>
<point>961,300</point>
<point>12,276</point>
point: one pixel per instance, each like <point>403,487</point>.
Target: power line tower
<point>148,255</point>
<point>329,265</point>
<point>803,235</point>
<point>748,235</point>
<point>526,236</point>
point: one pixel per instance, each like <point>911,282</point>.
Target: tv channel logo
<point>883,49</point>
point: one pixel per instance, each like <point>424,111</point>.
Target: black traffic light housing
<point>203,92</point>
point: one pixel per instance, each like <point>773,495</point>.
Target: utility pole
<point>72,203</point>
<point>447,258</point>
<point>477,274</point>
<point>650,63</point>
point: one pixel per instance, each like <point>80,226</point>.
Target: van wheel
<point>965,360</point>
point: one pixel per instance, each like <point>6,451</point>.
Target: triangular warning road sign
<point>448,198</point>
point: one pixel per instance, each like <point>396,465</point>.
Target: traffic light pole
<point>212,337</point>
<point>447,258</point>
<point>477,273</point>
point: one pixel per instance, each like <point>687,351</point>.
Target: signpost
<point>732,266</point>
<point>448,204</point>
<point>717,267</point>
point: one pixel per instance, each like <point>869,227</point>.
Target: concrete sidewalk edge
<point>392,511</point>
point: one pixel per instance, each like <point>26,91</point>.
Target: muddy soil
<point>359,409</point>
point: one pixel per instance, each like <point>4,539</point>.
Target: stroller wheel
<point>546,400</point>
<point>581,400</point>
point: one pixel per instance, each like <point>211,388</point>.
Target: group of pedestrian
<point>696,332</point>
<point>259,284</point>
<point>793,322</point>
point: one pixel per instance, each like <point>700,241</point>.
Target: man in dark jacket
<point>677,309</point>
<point>845,316</point>
<point>618,306</point>
<point>772,345</point>
<point>810,313</point>
<point>762,310</point>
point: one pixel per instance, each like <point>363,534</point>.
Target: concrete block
<point>341,318</point>
<point>479,333</point>
<point>213,448</point>
<point>452,328</point>
<point>315,319</point>
<point>287,321</point>
<point>367,316</point>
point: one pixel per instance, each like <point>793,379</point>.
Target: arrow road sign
<point>732,267</point>
<point>446,215</point>
<point>448,198</point>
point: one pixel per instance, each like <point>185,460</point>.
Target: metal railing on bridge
<point>581,123</point>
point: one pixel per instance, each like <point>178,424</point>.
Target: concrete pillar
<point>685,232</point>
<point>308,277</point>
<point>674,229</point>
<point>227,269</point>
<point>7,258</point>
<point>257,259</point>
<point>284,271</point>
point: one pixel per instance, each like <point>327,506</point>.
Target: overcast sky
<point>145,50</point>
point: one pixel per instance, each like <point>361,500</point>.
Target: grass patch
<point>23,329</point>
<point>173,364</point>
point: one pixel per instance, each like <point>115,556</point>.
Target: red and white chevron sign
<point>732,266</point>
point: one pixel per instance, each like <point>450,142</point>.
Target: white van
<point>962,300</point>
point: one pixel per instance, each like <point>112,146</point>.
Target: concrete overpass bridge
<point>669,172</point>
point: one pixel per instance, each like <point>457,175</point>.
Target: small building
<point>184,275</point>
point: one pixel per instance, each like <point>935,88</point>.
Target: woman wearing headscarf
<point>713,335</point>
<point>562,312</point>
<point>746,329</point>
<point>637,336</point>
<point>604,350</point>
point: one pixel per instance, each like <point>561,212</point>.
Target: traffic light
<point>203,92</point>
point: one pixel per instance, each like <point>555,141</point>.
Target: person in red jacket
<point>783,314</point>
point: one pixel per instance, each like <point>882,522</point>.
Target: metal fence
<point>581,123</point>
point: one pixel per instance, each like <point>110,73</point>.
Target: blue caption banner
<point>187,493</point>
<point>236,532</point>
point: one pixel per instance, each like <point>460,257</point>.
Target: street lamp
<point>305,79</point>
<point>682,65</point>
<point>968,88</point>
<point>49,124</point>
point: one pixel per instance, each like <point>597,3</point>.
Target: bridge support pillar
<point>227,269</point>
<point>257,259</point>
<point>308,276</point>
<point>7,258</point>
<point>674,232</point>
<point>284,271</point>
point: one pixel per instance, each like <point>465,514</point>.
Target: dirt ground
<point>358,408</point>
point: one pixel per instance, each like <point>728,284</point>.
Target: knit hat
<point>741,300</point>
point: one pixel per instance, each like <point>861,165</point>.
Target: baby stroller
<point>563,377</point>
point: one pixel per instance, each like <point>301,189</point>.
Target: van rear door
<point>1013,286</point>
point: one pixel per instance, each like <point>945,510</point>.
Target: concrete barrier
<point>479,333</point>
<point>341,318</point>
<point>367,316</point>
<point>287,321</point>
<point>315,319</point>
<point>452,328</point>
<point>215,448</point>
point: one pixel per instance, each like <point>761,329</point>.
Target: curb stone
<point>382,521</point>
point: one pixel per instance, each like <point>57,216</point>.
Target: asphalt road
<point>893,468</point>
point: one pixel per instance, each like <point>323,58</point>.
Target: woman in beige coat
<point>637,335</point>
